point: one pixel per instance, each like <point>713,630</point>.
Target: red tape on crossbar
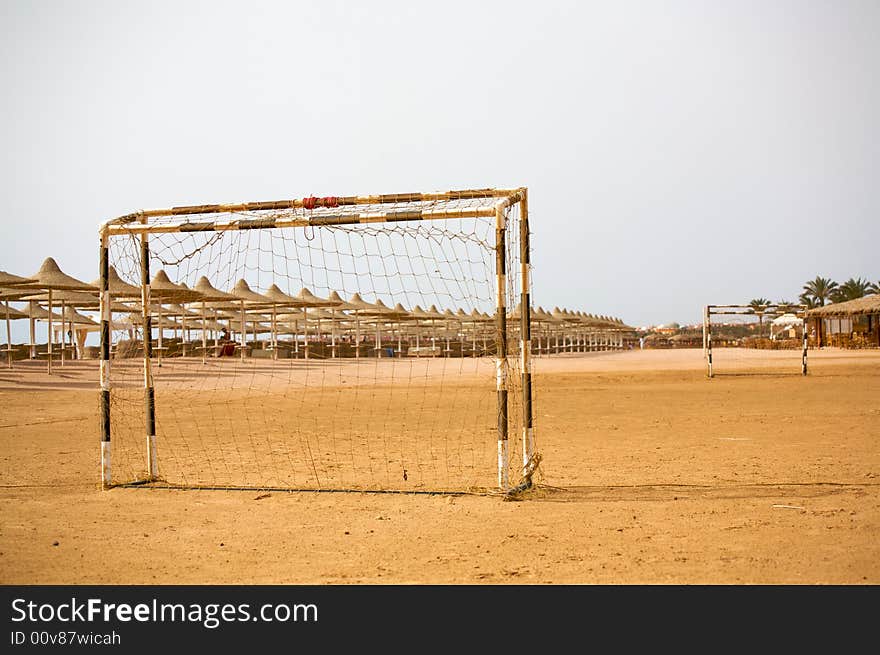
<point>327,201</point>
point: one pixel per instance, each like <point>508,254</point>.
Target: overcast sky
<point>676,153</point>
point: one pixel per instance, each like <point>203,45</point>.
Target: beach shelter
<point>118,288</point>
<point>77,300</point>
<point>307,300</point>
<point>248,298</point>
<point>11,314</point>
<point>167,292</point>
<point>214,299</point>
<point>51,278</point>
<point>400,314</point>
<point>8,281</point>
<point>380,314</point>
<point>283,301</point>
<point>361,307</point>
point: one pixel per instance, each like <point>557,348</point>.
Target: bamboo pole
<point>119,229</point>
<point>63,332</point>
<point>306,334</point>
<point>508,196</point>
<point>8,338</point>
<point>501,356</point>
<point>709,346</point>
<point>528,440</point>
<point>333,333</point>
<point>243,336</point>
<point>33,330</point>
<point>274,332</point>
<point>204,333</point>
<point>49,340</point>
<point>149,389</point>
<point>804,355</point>
<point>106,476</point>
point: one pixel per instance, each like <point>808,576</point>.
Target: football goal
<point>375,343</point>
<point>755,338</point>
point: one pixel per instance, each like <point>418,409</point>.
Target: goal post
<point>735,328</point>
<point>320,380</point>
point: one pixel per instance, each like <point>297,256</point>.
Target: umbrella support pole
<point>243,338</point>
<point>204,334</point>
<point>8,339</point>
<point>49,340</point>
<point>333,333</point>
<point>274,333</point>
<point>305,337</point>
<point>33,327</point>
<point>63,332</point>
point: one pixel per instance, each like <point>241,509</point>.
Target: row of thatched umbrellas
<point>205,308</point>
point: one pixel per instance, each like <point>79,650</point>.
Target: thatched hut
<point>850,324</point>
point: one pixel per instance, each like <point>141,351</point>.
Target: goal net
<point>750,340</point>
<point>338,343</point>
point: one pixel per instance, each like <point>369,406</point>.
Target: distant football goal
<point>755,339</point>
<point>338,343</point>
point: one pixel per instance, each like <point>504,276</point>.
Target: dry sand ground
<point>652,474</point>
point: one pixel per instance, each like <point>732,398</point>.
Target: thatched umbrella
<point>8,294</point>
<point>12,314</point>
<point>478,320</point>
<point>401,314</point>
<point>434,314</point>
<point>361,307</point>
<point>9,281</point>
<point>167,292</point>
<point>308,300</point>
<point>284,301</point>
<point>119,289</point>
<point>419,315</point>
<point>51,278</point>
<point>380,314</point>
<point>78,300</point>
<point>320,315</point>
<point>542,316</point>
<point>217,299</point>
<point>247,297</point>
<point>448,318</point>
<point>463,318</point>
<point>341,306</point>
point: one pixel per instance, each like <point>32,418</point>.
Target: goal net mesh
<point>369,349</point>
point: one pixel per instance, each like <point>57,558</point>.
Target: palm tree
<point>807,300</point>
<point>820,289</point>
<point>851,289</point>
<point>875,287</point>
<point>786,306</point>
<point>758,306</point>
